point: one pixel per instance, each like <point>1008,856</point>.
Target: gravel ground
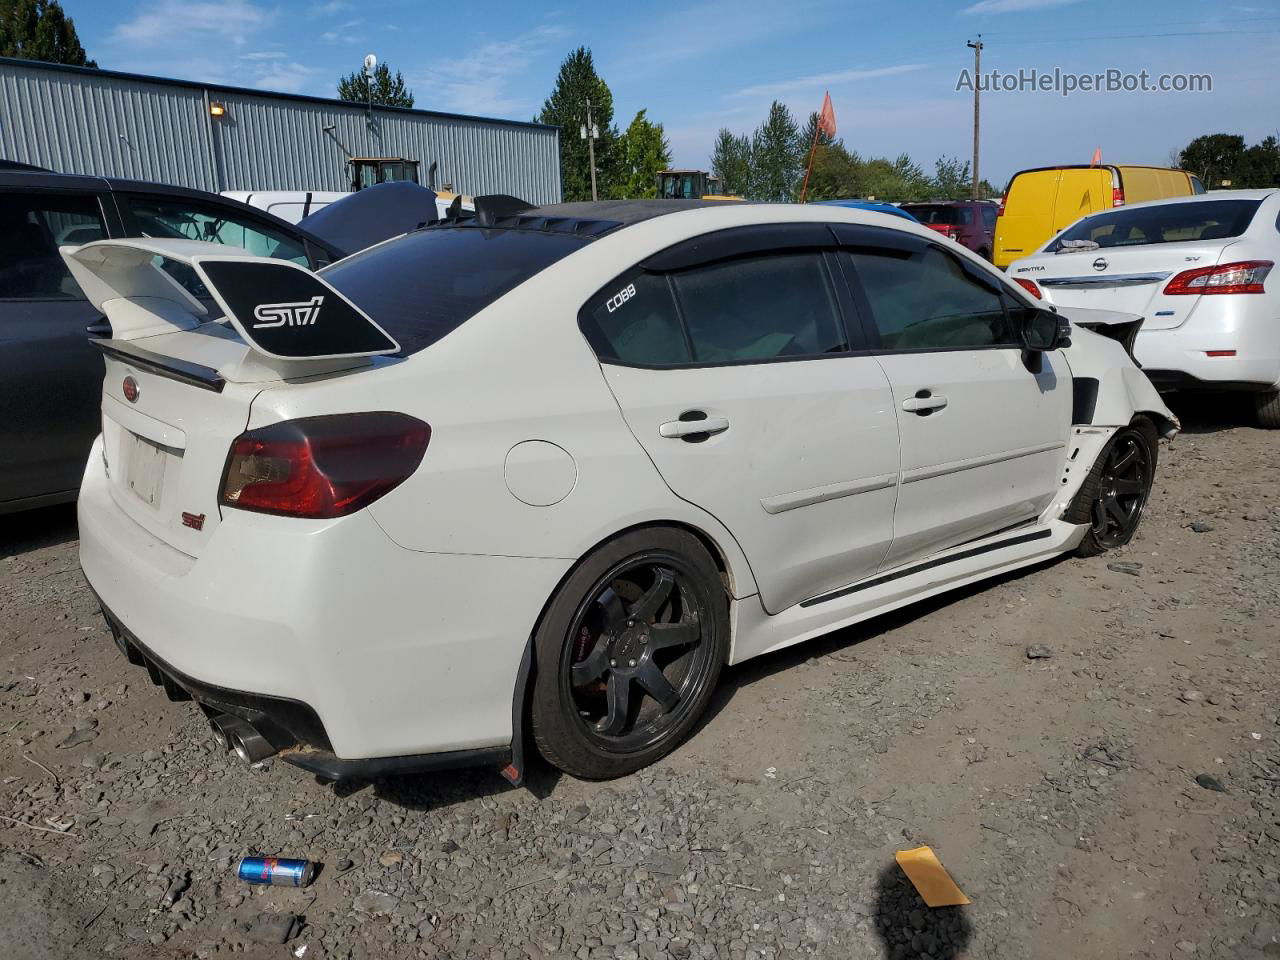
<point>1090,747</point>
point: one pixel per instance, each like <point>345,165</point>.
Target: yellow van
<point>1040,202</point>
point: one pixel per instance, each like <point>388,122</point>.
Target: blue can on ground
<point>276,871</point>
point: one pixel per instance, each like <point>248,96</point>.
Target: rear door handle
<point>679,429</point>
<point>102,328</point>
<point>923,403</point>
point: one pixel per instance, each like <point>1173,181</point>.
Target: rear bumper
<point>292,727</point>
<point>347,643</point>
<point>1178,358</point>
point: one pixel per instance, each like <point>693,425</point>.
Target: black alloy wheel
<point>1125,485</point>
<point>1112,498</point>
<point>635,658</point>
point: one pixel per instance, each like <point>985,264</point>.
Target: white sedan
<point>378,517</point>
<point>1196,269</point>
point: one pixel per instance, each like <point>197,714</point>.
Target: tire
<point>1268,407</point>
<point>985,254</point>
<point>1112,479</point>
<point>628,653</point>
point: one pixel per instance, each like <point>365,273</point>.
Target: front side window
<point>760,308</point>
<point>32,228</point>
<point>926,300</point>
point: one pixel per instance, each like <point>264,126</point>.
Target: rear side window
<point>426,284</point>
<point>760,308</point>
<point>32,227</point>
<point>636,323</point>
<point>1163,223</point>
<point>940,214</point>
<point>928,301</point>
<point>748,309</point>
<point>988,216</point>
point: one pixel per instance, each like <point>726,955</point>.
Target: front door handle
<point>102,328</point>
<point>923,403</point>
<point>687,426</point>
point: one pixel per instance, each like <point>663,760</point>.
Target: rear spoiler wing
<point>281,310</point>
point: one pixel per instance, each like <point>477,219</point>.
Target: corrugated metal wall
<point>87,122</point>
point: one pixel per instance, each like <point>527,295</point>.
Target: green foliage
<point>952,180</point>
<point>777,157</point>
<point>838,172</point>
<point>731,162</point>
<point>387,91</point>
<point>810,130</point>
<point>39,30</point>
<point>643,151</point>
<point>1219,157</point>
<point>577,83</point>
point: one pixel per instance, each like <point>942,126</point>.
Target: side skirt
<point>756,632</point>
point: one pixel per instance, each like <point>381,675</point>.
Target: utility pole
<point>588,132</point>
<point>976,46</point>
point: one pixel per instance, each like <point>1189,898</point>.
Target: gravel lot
<point>1115,795</point>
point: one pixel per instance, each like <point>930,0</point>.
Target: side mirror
<point>1045,330</point>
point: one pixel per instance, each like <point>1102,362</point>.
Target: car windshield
<point>1160,223</point>
<point>426,284</point>
<point>941,214</point>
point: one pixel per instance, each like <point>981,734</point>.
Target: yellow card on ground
<point>930,878</point>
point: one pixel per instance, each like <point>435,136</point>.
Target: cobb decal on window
<point>299,314</point>
<point>621,297</point>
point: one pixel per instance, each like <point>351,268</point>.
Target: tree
<point>777,157</point>
<point>643,151</point>
<point>1214,158</point>
<point>577,83</point>
<point>1260,166</point>
<point>383,90</point>
<point>39,30</point>
<point>952,180</point>
<point>731,162</point>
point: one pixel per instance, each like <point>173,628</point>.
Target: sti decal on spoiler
<point>286,311</point>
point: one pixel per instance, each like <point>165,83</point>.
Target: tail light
<point>322,467</point>
<point>1028,286</point>
<point>1246,276</point>
<point>1117,197</point>
<point>1004,197</point>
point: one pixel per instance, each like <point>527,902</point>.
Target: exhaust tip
<point>239,736</point>
<point>219,734</point>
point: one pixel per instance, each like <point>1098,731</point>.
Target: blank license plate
<point>147,462</point>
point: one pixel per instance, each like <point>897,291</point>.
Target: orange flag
<point>827,118</point>
<point>1097,158</point>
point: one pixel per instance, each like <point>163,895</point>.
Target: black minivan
<point>50,372</point>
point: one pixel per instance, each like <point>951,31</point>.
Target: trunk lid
<point>165,450</point>
<point>1125,279</point>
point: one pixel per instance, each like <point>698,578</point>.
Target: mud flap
<point>513,772</point>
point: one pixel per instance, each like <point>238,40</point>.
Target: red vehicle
<point>971,223</point>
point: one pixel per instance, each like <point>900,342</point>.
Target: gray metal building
<point>75,120</point>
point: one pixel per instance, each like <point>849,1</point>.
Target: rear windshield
<point>1161,223</point>
<point>940,214</point>
<point>428,283</point>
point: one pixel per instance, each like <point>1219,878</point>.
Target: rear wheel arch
<point>523,692</point>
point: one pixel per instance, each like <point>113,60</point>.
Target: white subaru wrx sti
<point>563,464</point>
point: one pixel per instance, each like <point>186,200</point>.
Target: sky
<point>891,66</point>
